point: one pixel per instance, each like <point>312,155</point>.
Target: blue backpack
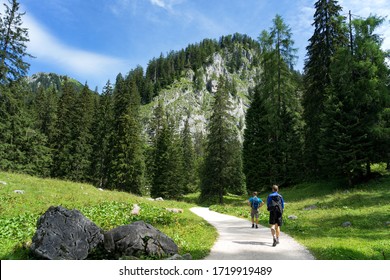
<point>255,203</point>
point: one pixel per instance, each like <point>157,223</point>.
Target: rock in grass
<point>3,183</point>
<point>136,209</point>
<point>19,191</point>
<point>64,234</point>
<point>175,210</point>
<point>138,239</point>
<point>346,224</point>
<point>311,207</point>
<point>179,257</point>
<point>292,217</point>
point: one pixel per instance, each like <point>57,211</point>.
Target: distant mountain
<point>193,93</point>
<point>47,80</point>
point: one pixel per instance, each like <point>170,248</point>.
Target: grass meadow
<point>321,208</point>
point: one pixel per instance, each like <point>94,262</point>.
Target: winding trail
<point>238,241</point>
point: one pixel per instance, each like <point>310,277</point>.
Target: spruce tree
<point>65,131</point>
<point>167,171</point>
<point>270,146</point>
<point>187,147</point>
<point>102,135</point>
<point>127,164</point>
<point>329,34</point>
<point>222,168</point>
<point>23,148</point>
<point>357,98</point>
<point>82,150</point>
<point>13,38</point>
<point>256,148</point>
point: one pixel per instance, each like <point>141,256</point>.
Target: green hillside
<point>108,209</point>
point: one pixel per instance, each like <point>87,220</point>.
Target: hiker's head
<point>254,193</point>
<point>275,188</point>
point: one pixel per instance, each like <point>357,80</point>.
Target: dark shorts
<point>254,213</point>
<point>275,218</point>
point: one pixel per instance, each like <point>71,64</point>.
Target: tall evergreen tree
<point>23,148</point>
<point>357,97</point>
<point>256,149</point>
<point>65,131</point>
<point>329,34</point>
<point>13,38</point>
<point>222,167</point>
<point>167,162</point>
<point>45,106</point>
<point>270,146</point>
<point>82,150</point>
<point>188,158</point>
<point>127,165</point>
<point>102,135</point>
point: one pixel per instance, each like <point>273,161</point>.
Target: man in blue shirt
<point>255,203</point>
<point>275,206</point>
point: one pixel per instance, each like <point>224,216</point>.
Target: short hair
<point>275,188</point>
<point>254,193</point>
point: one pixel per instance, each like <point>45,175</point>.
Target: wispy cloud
<point>86,64</point>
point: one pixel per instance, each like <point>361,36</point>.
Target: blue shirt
<point>269,199</point>
<point>252,198</point>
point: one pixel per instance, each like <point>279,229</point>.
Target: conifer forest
<point>329,121</point>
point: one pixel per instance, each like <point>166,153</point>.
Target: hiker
<point>255,203</point>
<point>275,206</point>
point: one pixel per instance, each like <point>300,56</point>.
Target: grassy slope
<point>366,206</point>
<point>108,209</point>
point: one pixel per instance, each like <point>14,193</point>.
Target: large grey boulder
<point>138,239</point>
<point>64,234</point>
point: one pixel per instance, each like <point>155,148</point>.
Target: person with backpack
<point>275,206</point>
<point>255,203</point>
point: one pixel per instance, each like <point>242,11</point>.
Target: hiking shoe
<point>275,242</point>
<point>253,225</point>
<point>257,226</point>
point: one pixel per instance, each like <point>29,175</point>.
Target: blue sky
<point>94,40</point>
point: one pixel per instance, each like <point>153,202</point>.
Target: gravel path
<point>238,241</point>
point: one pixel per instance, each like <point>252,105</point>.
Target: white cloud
<point>85,64</point>
<point>159,3</point>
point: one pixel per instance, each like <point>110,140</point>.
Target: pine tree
<point>45,107</point>
<point>102,135</point>
<point>167,172</point>
<point>222,169</point>
<point>270,146</point>
<point>13,38</point>
<point>187,147</point>
<point>127,165</point>
<point>65,131</point>
<point>357,94</point>
<point>82,134</point>
<point>329,34</point>
<point>23,148</point>
<point>256,149</point>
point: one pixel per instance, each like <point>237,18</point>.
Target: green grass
<point>108,209</point>
<point>366,206</point>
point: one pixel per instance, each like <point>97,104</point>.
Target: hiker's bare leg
<point>273,230</point>
<point>277,231</point>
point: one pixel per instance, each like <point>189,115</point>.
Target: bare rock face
<point>138,239</point>
<point>64,234</point>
